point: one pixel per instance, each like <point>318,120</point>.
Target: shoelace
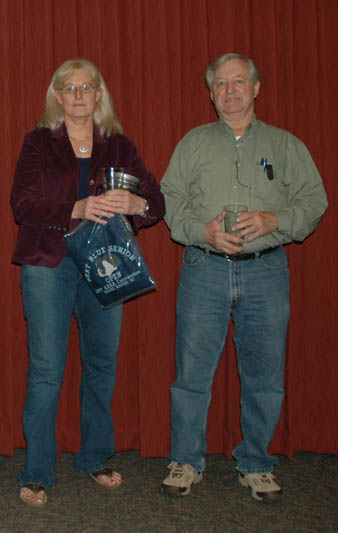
<point>178,470</point>
<point>264,478</point>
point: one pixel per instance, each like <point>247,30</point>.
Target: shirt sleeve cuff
<point>197,233</point>
<point>284,220</point>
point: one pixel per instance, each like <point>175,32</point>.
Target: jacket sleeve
<point>150,189</point>
<point>32,203</point>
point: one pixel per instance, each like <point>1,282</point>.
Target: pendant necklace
<point>83,148</point>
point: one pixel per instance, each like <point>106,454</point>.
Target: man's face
<point>233,92</point>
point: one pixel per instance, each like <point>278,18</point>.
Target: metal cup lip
<point>119,174</point>
<point>126,181</point>
<point>121,180</point>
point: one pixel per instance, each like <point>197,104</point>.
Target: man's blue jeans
<point>255,292</point>
<point>51,296</point>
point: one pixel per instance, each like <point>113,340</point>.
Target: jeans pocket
<point>276,260</point>
<point>192,256</point>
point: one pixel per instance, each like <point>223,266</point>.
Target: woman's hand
<point>125,202</point>
<point>105,205</point>
<point>92,208</point>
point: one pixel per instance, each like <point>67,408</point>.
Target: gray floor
<point>217,504</point>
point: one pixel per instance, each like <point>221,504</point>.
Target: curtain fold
<point>153,55</point>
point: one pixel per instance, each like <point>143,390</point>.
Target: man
<point>235,160</point>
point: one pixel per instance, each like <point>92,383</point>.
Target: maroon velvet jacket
<point>46,185</point>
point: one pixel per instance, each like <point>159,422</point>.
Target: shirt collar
<point>249,127</point>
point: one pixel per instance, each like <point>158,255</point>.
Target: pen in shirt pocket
<point>267,168</point>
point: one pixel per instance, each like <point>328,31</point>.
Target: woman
<point>56,181</point>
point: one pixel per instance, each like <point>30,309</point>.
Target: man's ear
<point>256,89</point>
<point>211,96</point>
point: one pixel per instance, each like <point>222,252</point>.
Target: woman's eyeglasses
<point>84,88</point>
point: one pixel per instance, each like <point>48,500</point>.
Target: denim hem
<point>255,471</point>
<point>91,470</point>
<point>35,482</point>
<point>199,470</point>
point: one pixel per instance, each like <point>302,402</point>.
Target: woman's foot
<point>33,494</point>
<point>107,478</point>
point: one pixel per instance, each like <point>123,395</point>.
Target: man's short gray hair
<point>252,67</point>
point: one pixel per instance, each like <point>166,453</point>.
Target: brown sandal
<point>31,498</point>
<point>114,476</point>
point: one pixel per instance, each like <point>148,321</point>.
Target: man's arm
<point>185,227</point>
<point>307,201</point>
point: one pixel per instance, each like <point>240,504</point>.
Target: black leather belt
<point>239,256</point>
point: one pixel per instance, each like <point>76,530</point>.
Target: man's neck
<point>238,124</point>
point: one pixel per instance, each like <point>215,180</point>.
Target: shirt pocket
<point>268,189</point>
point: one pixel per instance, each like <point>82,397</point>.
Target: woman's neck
<point>81,130</point>
<point>80,134</point>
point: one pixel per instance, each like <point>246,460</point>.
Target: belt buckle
<point>236,257</point>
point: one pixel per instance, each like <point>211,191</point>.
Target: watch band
<point>145,209</point>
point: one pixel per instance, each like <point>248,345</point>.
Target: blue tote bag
<point>110,260</point>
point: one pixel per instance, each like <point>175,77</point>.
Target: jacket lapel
<point>62,147</point>
<point>100,145</point>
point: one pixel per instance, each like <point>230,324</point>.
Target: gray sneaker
<point>180,479</point>
<point>263,486</point>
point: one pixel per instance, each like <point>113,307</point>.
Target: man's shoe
<point>180,479</point>
<point>263,487</point>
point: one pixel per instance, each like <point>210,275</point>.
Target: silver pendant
<point>83,149</point>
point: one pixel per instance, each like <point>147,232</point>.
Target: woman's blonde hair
<point>104,116</point>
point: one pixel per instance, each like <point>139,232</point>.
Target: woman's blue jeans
<point>255,292</point>
<point>51,296</point>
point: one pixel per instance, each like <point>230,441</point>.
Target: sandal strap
<point>103,472</point>
<point>34,487</point>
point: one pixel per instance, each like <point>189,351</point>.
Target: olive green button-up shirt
<point>210,169</point>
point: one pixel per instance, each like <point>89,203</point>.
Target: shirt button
<point>91,182</point>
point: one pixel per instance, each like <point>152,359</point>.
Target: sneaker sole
<point>172,490</point>
<point>265,497</point>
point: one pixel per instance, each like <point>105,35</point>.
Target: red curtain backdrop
<point>153,55</point>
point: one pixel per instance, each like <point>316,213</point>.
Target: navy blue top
<point>84,163</point>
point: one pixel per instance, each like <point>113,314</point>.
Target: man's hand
<point>250,225</point>
<point>215,235</point>
<point>255,224</point>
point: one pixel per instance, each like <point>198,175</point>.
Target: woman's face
<point>79,96</point>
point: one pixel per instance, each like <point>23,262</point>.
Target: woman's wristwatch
<point>146,208</point>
